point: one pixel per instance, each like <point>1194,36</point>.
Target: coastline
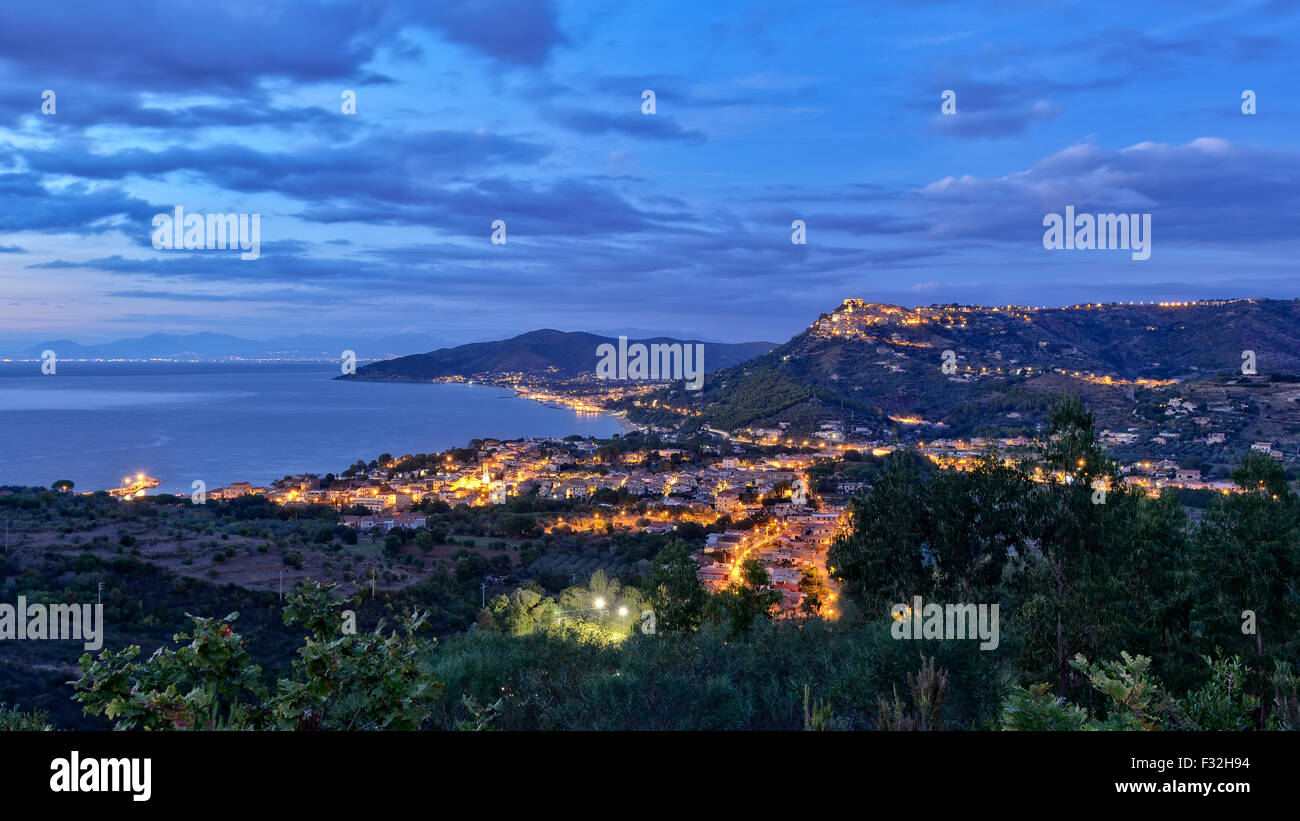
<point>141,424</point>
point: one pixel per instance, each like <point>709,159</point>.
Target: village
<point>772,514</point>
<point>780,522</point>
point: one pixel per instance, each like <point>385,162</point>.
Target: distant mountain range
<point>870,362</point>
<point>547,352</point>
<point>224,346</point>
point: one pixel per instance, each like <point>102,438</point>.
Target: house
<point>407,520</point>
<point>715,576</point>
<point>727,501</point>
<point>1187,475</point>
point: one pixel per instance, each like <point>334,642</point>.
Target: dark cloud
<point>81,106</point>
<point>1004,123</point>
<point>633,124</point>
<point>185,45</point>
<point>26,204</point>
<point>518,32</point>
<point>679,92</point>
<point>567,207</point>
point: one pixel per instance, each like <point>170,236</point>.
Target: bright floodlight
<point>622,611</point>
<point>600,603</point>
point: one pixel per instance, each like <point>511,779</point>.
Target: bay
<point>95,423</point>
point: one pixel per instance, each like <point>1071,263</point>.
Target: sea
<point>98,423</point>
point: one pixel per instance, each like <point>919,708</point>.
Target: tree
<point>599,602</point>
<point>880,560</point>
<point>209,683</point>
<point>1245,559</point>
<point>353,681</point>
<point>677,597</point>
<point>63,485</point>
<point>393,545</point>
<point>470,566</point>
<point>519,524</point>
<point>1080,539</point>
<point>816,592</point>
<point>749,599</point>
<point>1135,700</point>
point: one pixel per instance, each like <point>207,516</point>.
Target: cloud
<point>633,124</point>
<point>1203,191</point>
<point>994,123</point>
<point>517,32</point>
<point>26,204</point>
<point>187,45</point>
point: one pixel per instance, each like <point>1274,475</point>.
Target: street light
<point>600,603</point>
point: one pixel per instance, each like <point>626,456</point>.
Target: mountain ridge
<point>876,364</point>
<point>542,352</point>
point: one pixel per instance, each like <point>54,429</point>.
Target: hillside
<point>557,354</point>
<point>866,362</point>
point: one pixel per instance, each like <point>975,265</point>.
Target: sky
<point>677,221</point>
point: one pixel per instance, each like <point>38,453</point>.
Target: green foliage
<point>1136,699</point>
<point>209,683</point>
<point>1035,709</point>
<point>817,715</point>
<point>928,688</point>
<point>702,680</point>
<point>364,681</point>
<point>14,720</point>
<point>340,681</point>
<point>1100,575</point>
<point>816,592</point>
<point>749,600</point>
<point>1222,703</point>
<point>676,595</point>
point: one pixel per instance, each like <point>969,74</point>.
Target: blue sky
<point>679,222</point>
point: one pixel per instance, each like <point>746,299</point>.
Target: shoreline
<point>470,413</point>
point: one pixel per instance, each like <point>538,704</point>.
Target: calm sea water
<point>95,423</point>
